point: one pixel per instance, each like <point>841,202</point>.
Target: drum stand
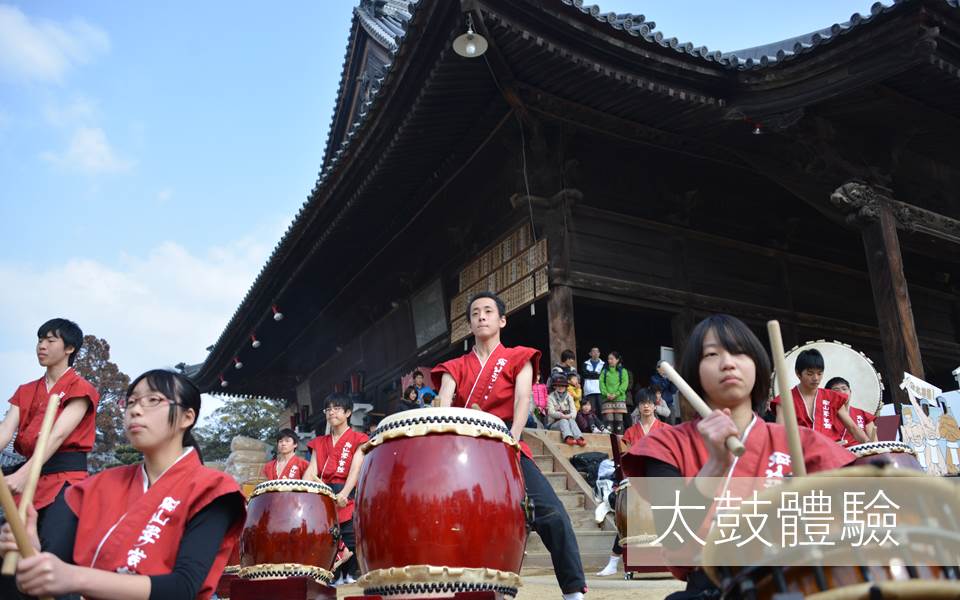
<point>288,588</point>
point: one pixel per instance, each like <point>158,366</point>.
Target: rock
<point>245,443</point>
<point>248,456</point>
<point>242,472</point>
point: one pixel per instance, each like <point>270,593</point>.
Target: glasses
<point>332,410</point>
<point>145,401</point>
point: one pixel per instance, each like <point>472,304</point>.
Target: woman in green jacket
<point>613,390</point>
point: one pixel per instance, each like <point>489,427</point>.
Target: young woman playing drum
<point>726,364</point>
<point>163,528</point>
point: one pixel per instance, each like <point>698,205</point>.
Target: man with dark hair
<point>498,380</point>
<point>591,380</point>
<point>336,460</point>
<point>422,389</point>
<point>74,430</point>
<point>567,365</point>
<point>287,465</point>
<point>825,411</point>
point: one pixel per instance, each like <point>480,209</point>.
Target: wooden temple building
<point>615,184</point>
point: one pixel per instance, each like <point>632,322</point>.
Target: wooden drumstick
<point>16,523</point>
<point>30,488</point>
<point>786,399</point>
<point>733,442</point>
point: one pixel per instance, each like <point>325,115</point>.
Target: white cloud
<point>79,111</point>
<point>89,152</point>
<point>44,50</point>
<point>164,195</point>
<point>156,310</point>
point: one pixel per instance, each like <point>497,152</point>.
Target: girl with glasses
<point>161,528</point>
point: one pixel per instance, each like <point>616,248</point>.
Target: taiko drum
<point>441,487</point>
<point>290,522</point>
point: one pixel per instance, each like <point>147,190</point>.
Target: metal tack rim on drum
<point>292,485</point>
<point>436,579</point>
<point>875,448</point>
<point>425,421</point>
<point>282,571</point>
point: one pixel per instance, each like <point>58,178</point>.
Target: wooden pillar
<point>563,334</point>
<point>562,331</point>
<point>891,297</point>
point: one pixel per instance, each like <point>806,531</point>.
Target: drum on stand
<point>440,505</point>
<point>291,531</point>
<point>892,455</point>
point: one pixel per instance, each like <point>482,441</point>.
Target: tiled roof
<point>748,58</point>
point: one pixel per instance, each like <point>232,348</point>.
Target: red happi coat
<point>294,469</point>
<point>489,385</point>
<point>31,399</point>
<point>862,418</point>
<point>333,463</point>
<point>126,527</point>
<point>634,433</point>
<point>767,454</point>
<point>825,407</point>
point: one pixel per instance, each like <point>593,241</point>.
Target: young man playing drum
<point>336,461</point>
<point>498,380</point>
<point>74,431</point>
<point>287,465</point>
<point>825,411</point>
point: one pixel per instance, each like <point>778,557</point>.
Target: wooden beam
<point>861,203</point>
<point>891,298</point>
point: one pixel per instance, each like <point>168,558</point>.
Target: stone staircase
<point>552,456</point>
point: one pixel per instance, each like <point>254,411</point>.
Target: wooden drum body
<point>291,530</point>
<point>440,505</point>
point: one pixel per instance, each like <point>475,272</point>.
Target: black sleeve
<point>58,529</point>
<point>198,550</point>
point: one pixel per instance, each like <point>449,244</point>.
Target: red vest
<point>825,407</point>
<point>634,433</point>
<point>294,469</point>
<point>489,385</point>
<point>125,527</point>
<point>31,398</point>
<point>333,463</point>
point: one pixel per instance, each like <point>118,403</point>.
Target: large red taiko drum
<point>440,505</point>
<point>291,530</point>
<point>891,455</point>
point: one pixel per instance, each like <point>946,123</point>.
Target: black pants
<point>552,524</point>
<point>350,541</point>
<point>350,567</point>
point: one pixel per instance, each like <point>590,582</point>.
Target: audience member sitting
<point>409,400</point>
<point>561,415</point>
<point>587,419</point>
<point>567,365</point>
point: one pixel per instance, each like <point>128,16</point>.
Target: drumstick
<point>30,488</point>
<point>733,442</point>
<point>786,399</point>
<point>16,523</point>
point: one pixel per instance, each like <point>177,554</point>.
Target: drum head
<point>840,360</point>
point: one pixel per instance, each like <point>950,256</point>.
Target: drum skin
<point>290,527</point>
<point>441,499</point>
<point>803,580</point>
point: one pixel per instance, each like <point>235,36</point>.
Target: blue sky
<point>152,154</point>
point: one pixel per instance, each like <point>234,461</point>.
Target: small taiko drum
<point>440,505</point>
<point>633,516</point>
<point>291,531</point>
<point>922,565</point>
<point>247,487</point>
<point>891,455</point>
